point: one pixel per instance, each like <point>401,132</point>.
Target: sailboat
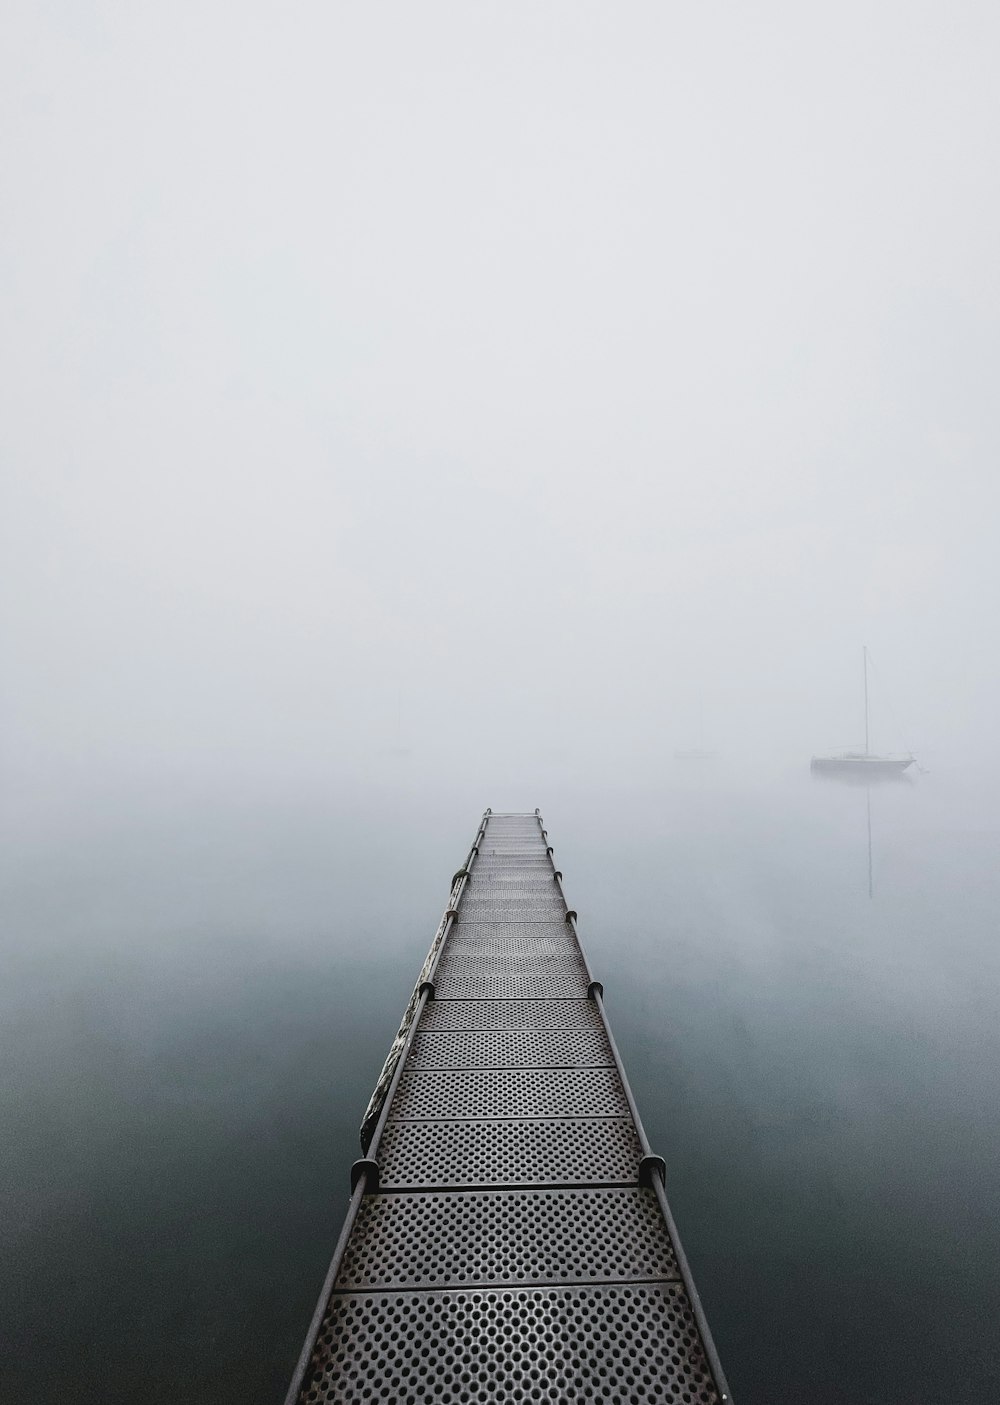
<point>862,763</point>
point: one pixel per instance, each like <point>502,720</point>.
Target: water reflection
<point>857,780</point>
<point>197,1004</point>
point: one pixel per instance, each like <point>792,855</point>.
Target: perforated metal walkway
<point>508,1237</point>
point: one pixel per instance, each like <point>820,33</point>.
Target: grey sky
<point>493,381</point>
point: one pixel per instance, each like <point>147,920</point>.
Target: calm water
<point>197,999</point>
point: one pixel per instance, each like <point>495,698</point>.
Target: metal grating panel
<point>507,855</point>
<point>495,872</point>
<point>510,929</point>
<point>512,987</point>
<point>616,1343</point>
<point>517,885</point>
<point>513,864</point>
<point>510,1014</point>
<point>535,857</point>
<point>546,896</point>
<point>513,954</point>
<point>512,844</point>
<point>533,853</point>
<point>506,879</point>
<point>529,833</point>
<point>513,903</point>
<point>510,1048</point>
<point>509,912</point>
<point>549,1152</point>
<point>518,892</point>
<point>533,875</point>
<point>528,945</point>
<point>506,1092</point>
<point>470,1238</point>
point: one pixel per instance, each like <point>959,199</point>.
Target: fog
<point>504,385</point>
<point>414,408</point>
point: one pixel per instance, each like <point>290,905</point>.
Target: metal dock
<point>508,1236</point>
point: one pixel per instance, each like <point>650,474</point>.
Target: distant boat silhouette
<point>699,752</point>
<point>862,763</point>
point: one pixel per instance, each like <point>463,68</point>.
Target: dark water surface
<point>196,1000</point>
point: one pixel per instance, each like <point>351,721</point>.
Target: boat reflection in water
<point>866,778</point>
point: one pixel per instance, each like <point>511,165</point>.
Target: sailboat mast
<point>864,652</point>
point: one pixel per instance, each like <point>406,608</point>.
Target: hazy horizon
<point>521,385</point>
